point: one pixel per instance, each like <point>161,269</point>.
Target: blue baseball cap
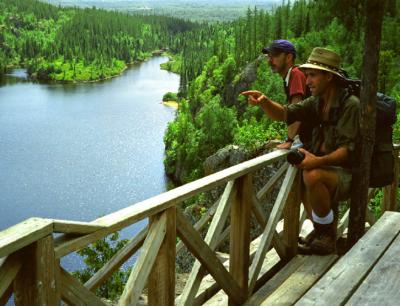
<point>279,46</point>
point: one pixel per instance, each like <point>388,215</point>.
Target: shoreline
<point>127,65</point>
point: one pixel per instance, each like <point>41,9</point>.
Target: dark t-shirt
<point>340,130</point>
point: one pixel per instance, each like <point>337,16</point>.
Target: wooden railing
<point>30,253</point>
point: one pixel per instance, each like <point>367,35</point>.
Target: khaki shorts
<point>342,192</point>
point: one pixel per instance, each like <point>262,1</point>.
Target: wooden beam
<point>205,255</point>
<point>8,271</point>
<point>298,282</point>
<point>343,223</point>
<point>271,225</point>
<point>139,211</point>
<point>277,243</point>
<point>130,215</point>
<point>45,272</point>
<point>339,283</point>
<point>213,233</point>
<point>5,297</point>
<point>202,222</point>
<point>263,191</point>
<point>381,286</point>
<point>74,227</point>
<point>291,216</point>
<point>268,288</point>
<point>138,277</point>
<point>74,293</point>
<point>240,233</point>
<point>390,192</point>
<point>117,260</point>
<point>161,285</point>
<point>23,234</point>
<point>35,283</point>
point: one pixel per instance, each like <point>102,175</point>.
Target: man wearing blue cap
<point>281,56</point>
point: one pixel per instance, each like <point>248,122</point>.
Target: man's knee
<point>312,177</point>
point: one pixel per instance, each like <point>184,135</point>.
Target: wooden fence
<point>30,253</point>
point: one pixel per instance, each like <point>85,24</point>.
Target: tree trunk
<point>369,78</point>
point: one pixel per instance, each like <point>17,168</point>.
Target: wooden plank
<point>74,227</point>
<point>66,244</point>
<point>45,272</point>
<point>213,233</point>
<point>74,293</point>
<point>205,255</point>
<point>271,225</point>
<point>303,216</point>
<point>5,297</point>
<point>138,277</point>
<point>343,224</point>
<point>337,285</point>
<point>263,191</point>
<point>277,243</point>
<point>381,286</point>
<point>209,287</point>
<point>389,202</point>
<point>130,215</point>
<point>161,284</point>
<point>210,293</point>
<point>300,281</point>
<point>240,233</point>
<point>8,271</point>
<point>291,216</point>
<point>22,234</point>
<point>35,283</point>
<point>258,297</point>
<point>117,260</point>
<point>24,283</point>
<point>57,275</point>
<point>159,203</point>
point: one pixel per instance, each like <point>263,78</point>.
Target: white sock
<point>328,219</point>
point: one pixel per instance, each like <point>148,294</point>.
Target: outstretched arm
<point>274,110</point>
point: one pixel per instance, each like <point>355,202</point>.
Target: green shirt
<point>340,130</point>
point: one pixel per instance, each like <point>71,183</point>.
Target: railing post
<point>161,282</point>
<point>291,215</point>
<point>240,233</point>
<point>389,201</point>
<point>35,284</point>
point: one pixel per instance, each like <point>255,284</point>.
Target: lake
<point>81,151</point>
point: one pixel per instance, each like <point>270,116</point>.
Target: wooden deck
<point>366,275</point>
<point>267,270</point>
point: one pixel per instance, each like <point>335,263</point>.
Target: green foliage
<point>375,204</point>
<point>91,44</point>
<point>95,257</point>
<point>170,96</point>
<point>173,65</point>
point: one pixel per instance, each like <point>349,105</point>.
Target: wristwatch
<point>288,139</point>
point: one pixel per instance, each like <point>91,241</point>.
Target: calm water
<point>81,151</point>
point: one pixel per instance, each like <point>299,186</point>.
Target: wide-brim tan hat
<point>324,59</point>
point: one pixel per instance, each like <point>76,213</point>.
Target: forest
<point>213,115</point>
<point>71,44</point>
<point>215,61</point>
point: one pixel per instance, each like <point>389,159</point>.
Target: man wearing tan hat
<point>326,173</point>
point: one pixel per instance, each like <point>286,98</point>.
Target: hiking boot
<point>325,241</point>
<point>307,239</point>
<point>321,241</point>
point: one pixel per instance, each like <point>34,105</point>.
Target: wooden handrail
<point>158,243</point>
